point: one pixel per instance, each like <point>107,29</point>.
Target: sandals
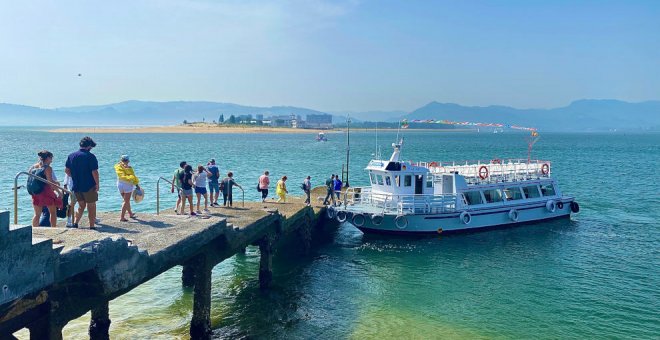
<point>134,216</point>
<point>123,220</point>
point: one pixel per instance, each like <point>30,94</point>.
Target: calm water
<point>595,276</point>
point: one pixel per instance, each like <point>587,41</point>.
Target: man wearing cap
<point>83,167</point>
<point>214,185</point>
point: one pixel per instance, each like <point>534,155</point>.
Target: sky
<point>339,55</point>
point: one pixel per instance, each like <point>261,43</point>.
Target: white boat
<point>321,137</point>
<point>434,197</point>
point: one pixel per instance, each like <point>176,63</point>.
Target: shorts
<point>90,196</point>
<point>200,190</point>
<point>187,192</point>
<point>214,187</point>
<point>125,188</point>
<point>46,198</point>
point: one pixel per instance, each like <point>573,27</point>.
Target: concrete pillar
<point>45,329</point>
<point>99,325</point>
<point>305,236</point>
<point>265,262</point>
<point>188,275</point>
<point>200,326</point>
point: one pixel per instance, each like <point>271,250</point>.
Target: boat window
<point>547,189</point>
<point>473,197</point>
<point>407,180</point>
<point>380,179</point>
<point>373,178</point>
<point>388,180</point>
<point>397,180</point>
<point>493,195</point>
<point>429,180</point>
<point>393,166</point>
<point>513,194</point>
<point>531,191</point>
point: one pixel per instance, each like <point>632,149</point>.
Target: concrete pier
<point>50,276</point>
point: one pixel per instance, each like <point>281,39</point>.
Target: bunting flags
<point>405,124</point>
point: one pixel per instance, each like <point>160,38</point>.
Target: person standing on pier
<point>43,194</point>
<point>307,188</point>
<point>187,189</point>
<point>330,187</point>
<point>176,181</point>
<point>226,188</point>
<point>199,179</point>
<point>214,185</point>
<point>126,182</point>
<point>83,167</point>
<point>281,190</point>
<point>264,182</point>
<point>337,187</point>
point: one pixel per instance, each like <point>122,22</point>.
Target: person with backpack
<point>330,187</point>
<point>83,167</point>
<point>307,188</point>
<point>187,189</point>
<point>214,185</point>
<point>281,190</point>
<point>126,182</point>
<point>226,188</point>
<point>264,182</point>
<point>43,194</point>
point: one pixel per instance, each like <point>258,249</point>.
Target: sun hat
<point>138,194</point>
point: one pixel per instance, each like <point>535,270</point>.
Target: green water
<point>595,276</point>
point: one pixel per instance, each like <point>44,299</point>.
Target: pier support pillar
<point>99,325</point>
<point>265,262</point>
<point>200,326</point>
<point>188,275</point>
<point>305,235</point>
<point>45,328</point>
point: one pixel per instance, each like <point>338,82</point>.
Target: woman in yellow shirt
<point>126,182</point>
<point>281,190</point>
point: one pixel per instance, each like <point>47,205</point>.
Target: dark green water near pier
<point>594,276</point>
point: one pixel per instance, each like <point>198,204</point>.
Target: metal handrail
<point>243,191</point>
<point>16,187</point>
<point>158,192</point>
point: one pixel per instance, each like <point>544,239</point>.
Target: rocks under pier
<point>50,276</point>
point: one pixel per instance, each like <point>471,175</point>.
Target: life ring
<point>341,216</point>
<point>560,205</point>
<point>330,211</point>
<point>496,161</point>
<point>401,222</point>
<point>433,164</point>
<point>513,215</point>
<point>483,172</point>
<point>377,219</point>
<point>465,217</point>
<point>545,168</point>
<point>575,207</point>
<point>358,220</point>
<point>551,206</point>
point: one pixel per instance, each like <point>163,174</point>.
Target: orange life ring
<point>483,172</point>
<point>545,168</point>
<point>433,164</point>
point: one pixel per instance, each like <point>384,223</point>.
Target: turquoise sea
<point>594,276</point>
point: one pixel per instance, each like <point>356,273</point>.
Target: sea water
<point>593,276</point>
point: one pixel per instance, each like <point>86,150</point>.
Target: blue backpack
<point>35,186</point>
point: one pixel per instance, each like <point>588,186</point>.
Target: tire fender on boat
<point>401,222</point>
<point>377,219</point>
<point>465,217</point>
<point>551,206</point>
<point>358,220</point>
<point>341,216</point>
<point>513,215</point>
<point>331,212</point>
<point>575,207</point>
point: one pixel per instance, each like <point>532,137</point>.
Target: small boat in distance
<point>321,137</point>
<point>443,197</point>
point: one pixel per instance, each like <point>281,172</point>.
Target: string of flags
<point>406,123</point>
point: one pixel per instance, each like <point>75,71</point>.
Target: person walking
<point>214,185</point>
<point>330,187</point>
<point>126,182</point>
<point>187,189</point>
<point>83,167</point>
<point>281,190</point>
<point>43,194</point>
<point>176,181</point>
<point>226,188</point>
<point>199,179</point>
<point>264,182</point>
<point>337,187</point>
<point>307,188</point>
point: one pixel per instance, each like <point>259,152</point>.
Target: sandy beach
<point>189,128</point>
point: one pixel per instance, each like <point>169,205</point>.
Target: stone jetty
<point>50,276</point>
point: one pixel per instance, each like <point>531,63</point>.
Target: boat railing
<point>401,204</point>
<point>496,170</point>
<point>43,180</point>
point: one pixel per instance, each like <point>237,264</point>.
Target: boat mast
<point>348,151</point>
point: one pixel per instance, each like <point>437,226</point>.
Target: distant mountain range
<point>581,115</point>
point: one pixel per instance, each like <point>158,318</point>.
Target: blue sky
<point>329,55</point>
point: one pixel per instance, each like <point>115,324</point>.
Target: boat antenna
<point>348,149</point>
<point>531,140</point>
<point>377,155</point>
